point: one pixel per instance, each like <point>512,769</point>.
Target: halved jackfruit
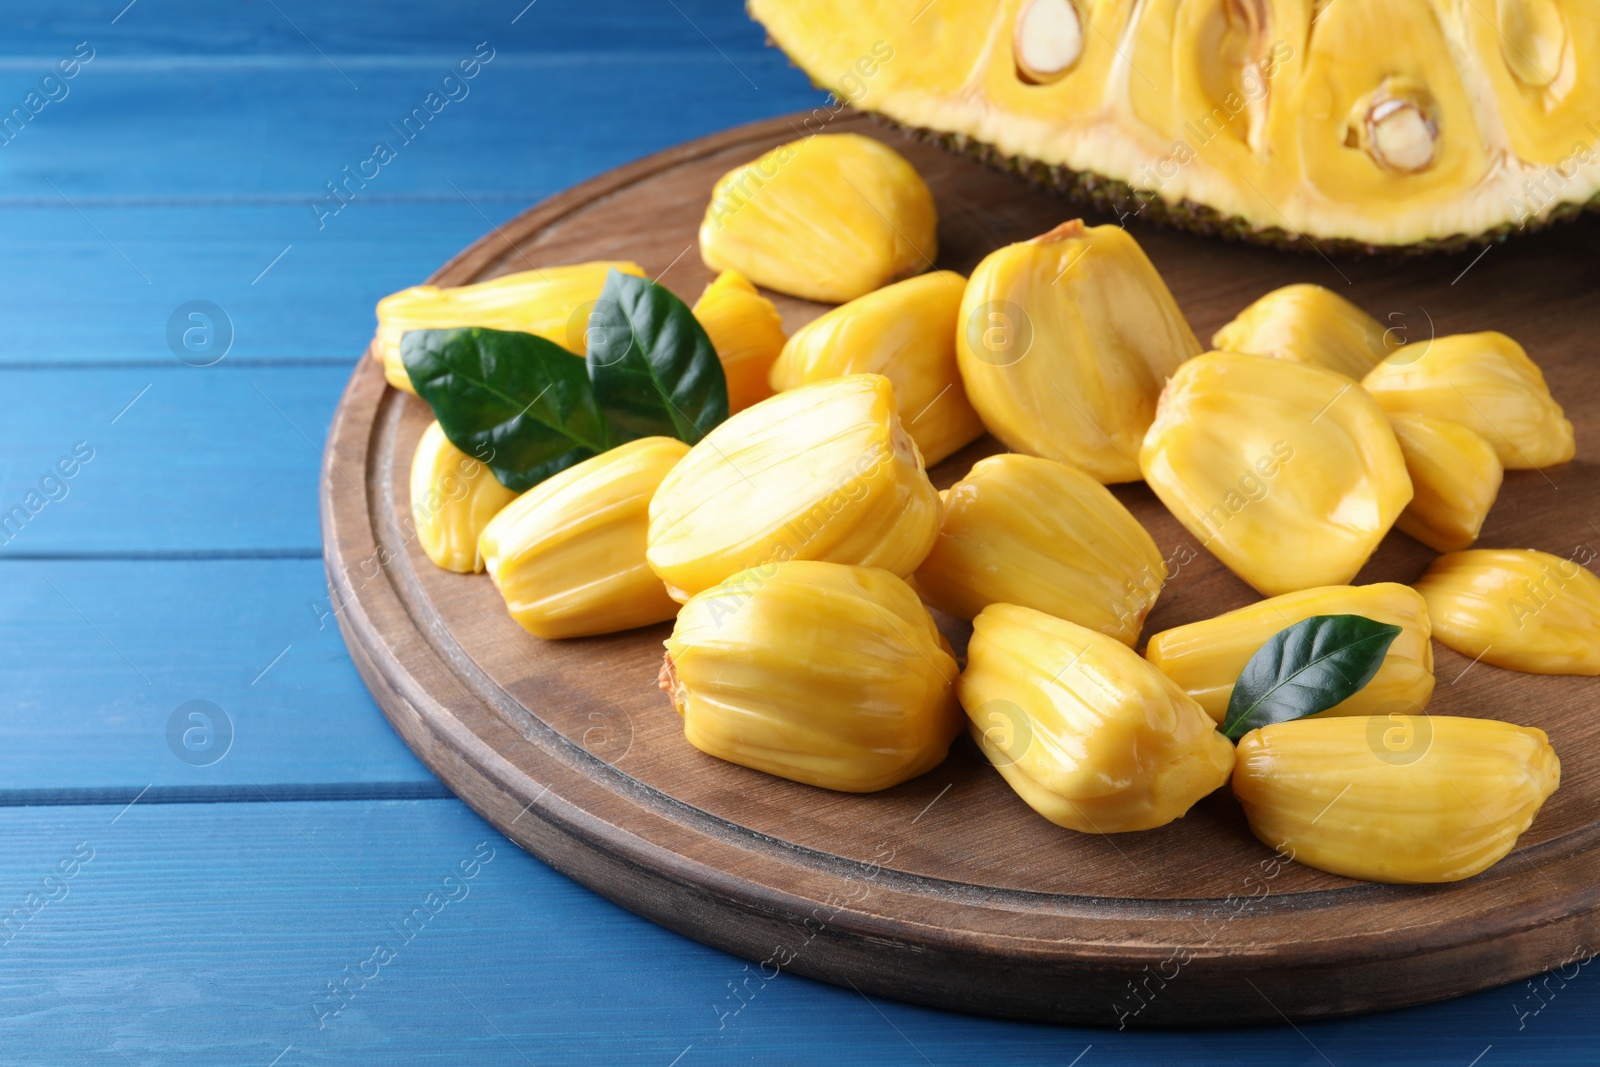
<point>1361,123</point>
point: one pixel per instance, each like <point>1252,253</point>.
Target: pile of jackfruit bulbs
<point>800,544</point>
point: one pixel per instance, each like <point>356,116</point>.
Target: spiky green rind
<point>1117,197</point>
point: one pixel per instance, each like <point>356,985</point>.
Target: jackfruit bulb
<point>1064,342</point>
<point>1289,473</point>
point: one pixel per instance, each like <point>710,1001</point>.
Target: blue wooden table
<point>178,889</point>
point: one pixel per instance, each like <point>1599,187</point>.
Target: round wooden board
<point>947,890</point>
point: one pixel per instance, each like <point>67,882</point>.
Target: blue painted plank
<point>300,28</point>
<point>98,659</point>
<point>200,933</point>
<point>86,298</point>
<point>207,934</point>
<point>524,125</point>
<point>181,458</point>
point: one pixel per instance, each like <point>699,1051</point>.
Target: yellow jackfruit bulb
<point>1485,382</point>
<point>1455,475</point>
<point>1516,608</point>
<point>553,302</point>
<point>1394,798</point>
<point>1089,735</point>
<point>1289,473</point>
<point>1043,535</point>
<point>821,472</point>
<point>747,332</point>
<point>453,497</point>
<point>568,555</point>
<point>907,333</point>
<point>1064,342</point>
<point>823,673</point>
<point>827,218</point>
<point>1206,658</point>
<point>1308,324</point>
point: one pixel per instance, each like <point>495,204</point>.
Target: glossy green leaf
<point>521,404</point>
<point>654,370</point>
<point>1307,668</point>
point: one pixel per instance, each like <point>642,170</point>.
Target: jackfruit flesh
<point>1287,472</point>
<point>1089,735</point>
<point>747,332</point>
<point>1040,534</point>
<point>453,497</point>
<point>1206,658</point>
<point>568,555</point>
<point>824,673</point>
<point>1485,382</point>
<point>553,302</point>
<point>1517,608</point>
<point>1308,324</point>
<point>822,472</point>
<point>1064,342</point>
<point>1455,475</point>
<point>829,217</point>
<point>1360,123</point>
<point>907,333</point>
<point>1394,798</point>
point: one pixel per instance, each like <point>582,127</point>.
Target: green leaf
<point>1307,668</point>
<point>521,404</point>
<point>654,370</point>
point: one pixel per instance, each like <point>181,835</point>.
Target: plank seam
<point>161,363</point>
<point>73,796</point>
<point>162,555</point>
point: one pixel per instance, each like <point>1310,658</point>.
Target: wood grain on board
<point>948,890</point>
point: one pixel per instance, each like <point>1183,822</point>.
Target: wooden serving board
<point>947,890</point>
